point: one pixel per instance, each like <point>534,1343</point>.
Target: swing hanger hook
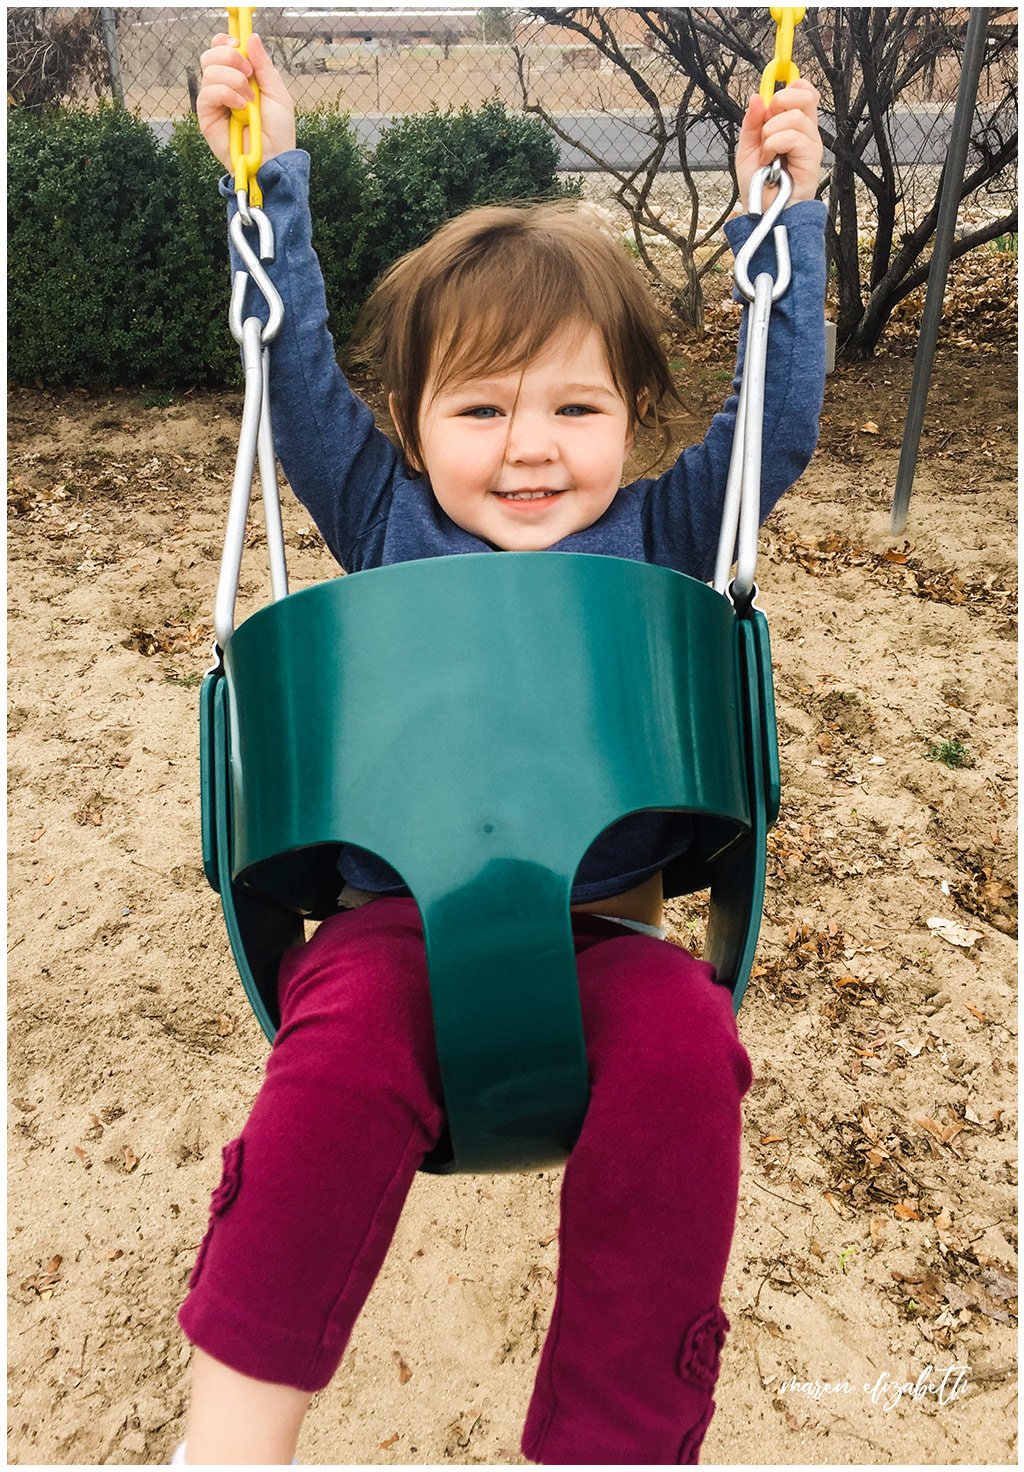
<point>254,269</point>
<point>766,226</point>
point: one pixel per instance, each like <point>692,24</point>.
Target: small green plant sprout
<point>846,1252</point>
<point>187,682</point>
<point>157,398</point>
<point>954,753</point>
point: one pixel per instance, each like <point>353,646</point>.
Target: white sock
<point>178,1460</point>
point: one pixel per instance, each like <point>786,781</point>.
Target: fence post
<point>109,25</point>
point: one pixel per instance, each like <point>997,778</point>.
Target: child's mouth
<point>524,498</point>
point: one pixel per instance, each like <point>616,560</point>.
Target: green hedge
<point>117,250</point>
<point>434,166</point>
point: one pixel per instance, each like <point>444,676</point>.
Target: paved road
<point>619,140</point>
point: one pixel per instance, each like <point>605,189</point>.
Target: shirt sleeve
<point>683,508</point>
<point>339,464</point>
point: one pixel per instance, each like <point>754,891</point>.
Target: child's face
<point>525,458</point>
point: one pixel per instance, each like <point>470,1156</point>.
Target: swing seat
<point>477,721</point>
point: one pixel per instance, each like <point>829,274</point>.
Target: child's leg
<point>234,1420</point>
<point>648,1208</point>
<point>313,1188</point>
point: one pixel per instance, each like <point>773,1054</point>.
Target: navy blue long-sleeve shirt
<point>373,511</point>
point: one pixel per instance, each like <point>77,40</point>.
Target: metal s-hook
<point>766,226</point>
<point>240,284</point>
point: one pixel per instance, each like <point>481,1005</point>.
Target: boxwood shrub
<point>117,250</point>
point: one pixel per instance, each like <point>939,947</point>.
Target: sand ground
<point>876,1240</point>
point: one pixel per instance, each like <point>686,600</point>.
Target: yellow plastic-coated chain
<point>245,166</point>
<point>782,67</point>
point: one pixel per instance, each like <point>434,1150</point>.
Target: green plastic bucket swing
<point>476,721</point>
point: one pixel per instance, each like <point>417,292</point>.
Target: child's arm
<point>682,510</point>
<point>341,467</point>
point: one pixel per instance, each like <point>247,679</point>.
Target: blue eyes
<point>488,411</point>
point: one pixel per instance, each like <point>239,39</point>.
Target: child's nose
<point>530,441</point>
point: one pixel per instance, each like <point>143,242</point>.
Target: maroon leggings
<point>352,1102</point>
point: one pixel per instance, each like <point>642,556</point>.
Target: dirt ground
<point>876,1240</point>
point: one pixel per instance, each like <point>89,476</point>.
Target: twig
<point>788,1199</point>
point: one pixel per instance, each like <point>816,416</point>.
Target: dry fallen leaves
<point>179,637</point>
<point>404,1373</point>
<point>949,930</point>
<point>944,1136</point>
<point>45,1281</point>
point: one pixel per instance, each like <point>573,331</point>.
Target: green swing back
<point>477,721</point>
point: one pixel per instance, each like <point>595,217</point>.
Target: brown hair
<point>488,291</point>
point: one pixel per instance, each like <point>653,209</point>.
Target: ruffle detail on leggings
<point>690,1449</point>
<point>231,1178</point>
<point>230,1181</point>
<point>701,1353</point>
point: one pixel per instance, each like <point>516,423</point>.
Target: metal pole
<point>113,56</point>
<point>949,200</point>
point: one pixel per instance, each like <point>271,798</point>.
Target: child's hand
<point>226,74</point>
<point>788,125</point>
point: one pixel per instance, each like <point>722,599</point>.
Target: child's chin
<point>528,540</point>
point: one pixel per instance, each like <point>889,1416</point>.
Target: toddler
<point>521,353</point>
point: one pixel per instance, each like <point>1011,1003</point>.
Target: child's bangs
<point>496,325</point>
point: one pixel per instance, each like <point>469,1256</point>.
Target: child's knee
<point>659,1019</point>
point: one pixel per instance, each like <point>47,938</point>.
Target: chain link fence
<point>391,62</point>
<point>385,63</point>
